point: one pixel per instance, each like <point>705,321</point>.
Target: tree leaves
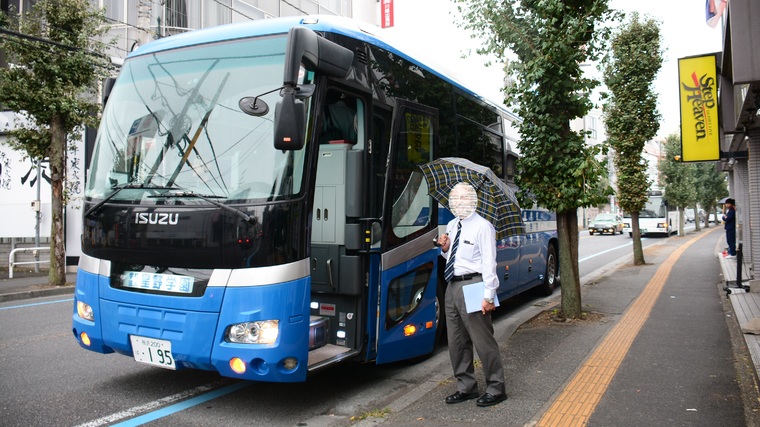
<point>57,63</point>
<point>631,115</point>
<point>551,39</point>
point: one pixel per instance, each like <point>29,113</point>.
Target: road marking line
<point>607,251</point>
<point>576,403</point>
<point>131,412</point>
<point>36,303</point>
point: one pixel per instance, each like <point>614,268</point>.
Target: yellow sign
<point>698,85</point>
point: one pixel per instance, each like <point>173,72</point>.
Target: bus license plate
<point>153,351</point>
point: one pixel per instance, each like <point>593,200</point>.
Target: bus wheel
<point>551,277</point>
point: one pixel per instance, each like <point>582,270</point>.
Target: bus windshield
<point>655,207</point>
<point>173,122</point>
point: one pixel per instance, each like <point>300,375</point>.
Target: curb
<point>37,293</point>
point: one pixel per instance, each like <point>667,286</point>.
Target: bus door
<point>407,313</point>
<point>337,266</point>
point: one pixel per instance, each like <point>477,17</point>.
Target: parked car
<point>689,214</point>
<point>606,223</point>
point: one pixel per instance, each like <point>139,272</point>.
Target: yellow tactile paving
<point>576,403</point>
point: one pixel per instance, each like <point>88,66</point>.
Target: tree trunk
<point>696,218</point>
<point>638,250</point>
<point>567,232</point>
<point>58,150</point>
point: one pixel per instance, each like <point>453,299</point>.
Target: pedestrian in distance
<point>729,224</point>
<point>471,258</point>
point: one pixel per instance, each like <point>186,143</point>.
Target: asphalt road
<point>47,379</point>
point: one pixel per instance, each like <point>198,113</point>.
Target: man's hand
<point>444,242</point>
<point>487,306</point>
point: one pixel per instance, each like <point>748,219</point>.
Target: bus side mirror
<point>318,54</point>
<point>289,121</point>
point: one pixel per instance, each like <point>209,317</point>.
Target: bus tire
<point>551,278</point>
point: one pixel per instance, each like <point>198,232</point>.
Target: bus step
<point>318,331</point>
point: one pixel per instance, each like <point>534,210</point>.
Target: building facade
<point>739,104</point>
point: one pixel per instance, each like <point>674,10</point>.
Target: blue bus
<point>254,204</point>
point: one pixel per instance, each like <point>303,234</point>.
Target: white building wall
<point>20,188</point>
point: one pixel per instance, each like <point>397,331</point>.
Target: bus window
<point>405,294</point>
<point>339,124</point>
<point>411,207</point>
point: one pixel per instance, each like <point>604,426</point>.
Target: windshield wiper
<point>189,194</point>
<point>201,126</point>
<point>116,191</point>
<point>178,119</point>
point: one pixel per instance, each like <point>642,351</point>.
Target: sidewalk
<point>686,364</point>
<point>28,284</point>
<point>746,304</point>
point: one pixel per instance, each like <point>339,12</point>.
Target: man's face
<point>463,200</point>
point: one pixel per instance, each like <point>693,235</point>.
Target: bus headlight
<point>85,311</point>
<point>261,332</point>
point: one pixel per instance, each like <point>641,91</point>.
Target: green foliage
<point>679,178</point>
<point>56,67</point>
<point>56,63</point>
<point>551,39</point>
<point>631,116</point>
<point>711,185</point>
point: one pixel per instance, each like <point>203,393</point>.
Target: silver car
<point>606,223</point>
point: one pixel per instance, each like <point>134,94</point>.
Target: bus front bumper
<point>196,339</point>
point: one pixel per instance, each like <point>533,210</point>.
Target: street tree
<point>551,39</point>
<point>678,178</point>
<point>631,115</point>
<point>55,62</point>
<point>711,186</point>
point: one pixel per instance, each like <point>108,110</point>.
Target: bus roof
<point>324,23</point>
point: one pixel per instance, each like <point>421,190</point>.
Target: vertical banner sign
<point>698,88</point>
<point>386,13</point>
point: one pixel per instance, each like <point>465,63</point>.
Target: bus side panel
<point>508,266</point>
<point>372,303</point>
<point>87,292</point>
<point>531,265</point>
<point>287,303</point>
<point>406,311</point>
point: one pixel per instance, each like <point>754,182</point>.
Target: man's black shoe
<point>489,399</point>
<point>461,397</point>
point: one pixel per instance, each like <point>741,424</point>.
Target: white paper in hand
<point>473,297</point>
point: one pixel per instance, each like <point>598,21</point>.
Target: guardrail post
<point>11,255</point>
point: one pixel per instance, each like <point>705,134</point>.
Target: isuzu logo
<point>156,218</point>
